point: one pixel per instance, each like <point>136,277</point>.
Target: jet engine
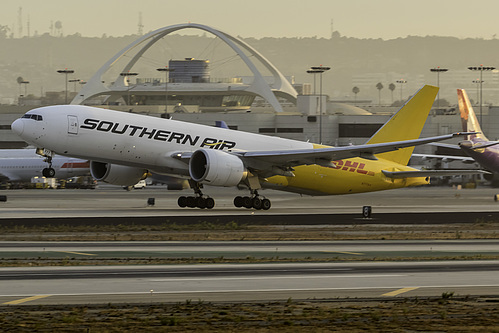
<point>215,167</point>
<point>116,174</point>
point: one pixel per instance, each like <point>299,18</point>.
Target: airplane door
<point>72,125</point>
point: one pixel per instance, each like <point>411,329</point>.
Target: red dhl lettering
<point>352,167</point>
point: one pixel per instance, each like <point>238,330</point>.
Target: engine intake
<point>218,168</point>
<point>116,174</point>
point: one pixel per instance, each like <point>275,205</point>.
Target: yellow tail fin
<point>406,124</point>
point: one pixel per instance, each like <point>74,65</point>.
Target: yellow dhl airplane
<point>374,172</point>
<point>122,147</point>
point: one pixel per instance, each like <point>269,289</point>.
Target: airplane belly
<point>347,177</point>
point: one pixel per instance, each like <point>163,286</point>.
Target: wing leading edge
<point>324,156</point>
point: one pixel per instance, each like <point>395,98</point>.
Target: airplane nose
<point>18,127</point>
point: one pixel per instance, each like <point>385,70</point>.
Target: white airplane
<point>123,147</point>
<point>20,165</point>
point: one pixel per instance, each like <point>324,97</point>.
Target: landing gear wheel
<point>238,201</point>
<point>48,172</point>
<point>257,203</point>
<point>191,202</point>
<point>210,203</point>
<point>247,202</point>
<point>182,202</point>
<point>266,204</point>
<point>201,202</point>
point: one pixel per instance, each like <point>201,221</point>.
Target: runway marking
<point>27,299</point>
<point>80,253</point>
<point>400,291</point>
<point>345,252</point>
<point>277,277</point>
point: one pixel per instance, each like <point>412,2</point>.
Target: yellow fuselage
<point>347,176</point>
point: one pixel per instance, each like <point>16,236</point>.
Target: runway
<point>114,205</point>
<point>245,282</point>
<point>248,282</point>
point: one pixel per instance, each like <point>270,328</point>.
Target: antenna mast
<point>140,25</point>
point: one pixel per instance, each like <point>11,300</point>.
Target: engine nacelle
<point>116,174</point>
<point>215,167</point>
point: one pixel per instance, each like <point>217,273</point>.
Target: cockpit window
<point>36,117</point>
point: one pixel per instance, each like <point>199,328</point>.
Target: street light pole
<point>401,87</point>
<point>319,70</point>
<point>66,72</point>
<point>25,90</point>
<point>166,70</point>
<point>481,68</point>
<point>25,87</point>
<point>74,81</point>
<point>438,70</point>
<point>126,75</point>
<point>477,82</point>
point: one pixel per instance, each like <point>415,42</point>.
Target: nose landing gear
<point>47,172</point>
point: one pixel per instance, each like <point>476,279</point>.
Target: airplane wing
<point>445,145</point>
<point>446,158</point>
<point>431,173</point>
<point>324,156</point>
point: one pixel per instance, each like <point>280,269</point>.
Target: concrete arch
<point>259,86</point>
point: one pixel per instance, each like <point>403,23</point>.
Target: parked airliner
<point>20,165</point>
<point>123,147</point>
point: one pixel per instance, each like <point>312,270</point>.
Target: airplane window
<point>36,117</point>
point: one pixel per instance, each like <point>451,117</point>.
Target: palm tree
<point>391,86</point>
<point>355,90</point>
<point>379,86</point>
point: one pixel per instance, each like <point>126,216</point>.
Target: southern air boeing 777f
<point>123,147</point>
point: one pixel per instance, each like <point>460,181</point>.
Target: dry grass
<point>446,314</point>
<point>234,232</point>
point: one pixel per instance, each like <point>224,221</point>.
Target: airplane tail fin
<point>406,124</point>
<point>468,117</point>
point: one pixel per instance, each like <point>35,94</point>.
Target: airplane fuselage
<point>487,157</point>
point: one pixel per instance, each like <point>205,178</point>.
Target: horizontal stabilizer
<point>485,145</point>
<point>445,158</point>
<point>431,173</point>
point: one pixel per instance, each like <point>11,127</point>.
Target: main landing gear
<point>198,200</point>
<point>255,201</point>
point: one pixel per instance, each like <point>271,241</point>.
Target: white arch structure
<point>259,86</point>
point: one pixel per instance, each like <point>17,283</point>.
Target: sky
<point>386,19</point>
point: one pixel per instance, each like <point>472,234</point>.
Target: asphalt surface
<point>245,282</point>
<point>114,205</point>
<point>104,284</point>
